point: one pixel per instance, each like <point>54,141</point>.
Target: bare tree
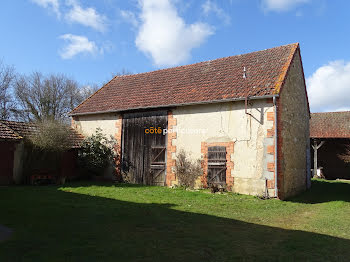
<point>42,98</point>
<point>123,72</point>
<point>88,90</point>
<point>7,74</point>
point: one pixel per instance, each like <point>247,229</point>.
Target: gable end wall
<point>293,132</point>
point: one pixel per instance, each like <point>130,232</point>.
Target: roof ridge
<point>20,122</point>
<point>201,62</point>
<point>285,69</point>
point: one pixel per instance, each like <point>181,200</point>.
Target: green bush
<point>97,153</point>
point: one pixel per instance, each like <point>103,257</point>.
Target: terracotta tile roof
<point>7,133</point>
<point>330,125</point>
<point>13,130</point>
<point>21,128</point>
<point>215,80</point>
<point>76,138</point>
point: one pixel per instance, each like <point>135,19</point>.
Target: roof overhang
<point>329,137</point>
<point>175,105</point>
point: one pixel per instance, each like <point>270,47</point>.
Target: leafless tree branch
<point>7,75</point>
<point>44,98</point>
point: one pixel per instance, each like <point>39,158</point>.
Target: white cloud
<point>329,87</point>
<point>282,5</point>
<point>211,7</point>
<point>52,5</point>
<point>165,36</point>
<point>129,17</point>
<point>76,45</point>
<point>86,16</point>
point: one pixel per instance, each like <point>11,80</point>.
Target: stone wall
<point>293,132</point>
<point>111,125</point>
<point>228,123</point>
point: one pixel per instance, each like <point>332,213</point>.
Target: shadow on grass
<point>53,225</point>
<point>83,183</point>
<point>323,191</point>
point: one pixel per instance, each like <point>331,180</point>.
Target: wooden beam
<point>316,146</point>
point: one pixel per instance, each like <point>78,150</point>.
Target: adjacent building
<point>15,154</point>
<point>330,138</point>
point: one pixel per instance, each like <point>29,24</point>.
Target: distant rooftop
<point>330,125</point>
<point>13,130</point>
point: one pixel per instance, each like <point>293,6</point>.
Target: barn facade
<point>246,118</point>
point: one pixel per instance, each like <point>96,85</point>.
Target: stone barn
<point>246,118</point>
<point>330,136</point>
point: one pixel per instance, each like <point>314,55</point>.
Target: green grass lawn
<point>104,222</point>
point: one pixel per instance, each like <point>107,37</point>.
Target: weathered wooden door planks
<point>143,150</point>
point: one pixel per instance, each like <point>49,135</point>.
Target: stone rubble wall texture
<point>293,132</point>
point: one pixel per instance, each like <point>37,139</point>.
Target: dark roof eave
<point>175,105</point>
<point>330,137</point>
<point>11,139</point>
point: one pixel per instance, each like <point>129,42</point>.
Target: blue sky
<point>92,40</point>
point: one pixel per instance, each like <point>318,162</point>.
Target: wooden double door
<point>144,147</point>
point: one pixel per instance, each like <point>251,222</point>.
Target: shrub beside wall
<point>97,153</point>
<point>186,170</point>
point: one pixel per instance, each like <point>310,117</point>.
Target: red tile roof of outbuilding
<point>7,133</point>
<point>23,129</point>
<point>330,125</point>
<point>205,82</point>
<point>13,130</point>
